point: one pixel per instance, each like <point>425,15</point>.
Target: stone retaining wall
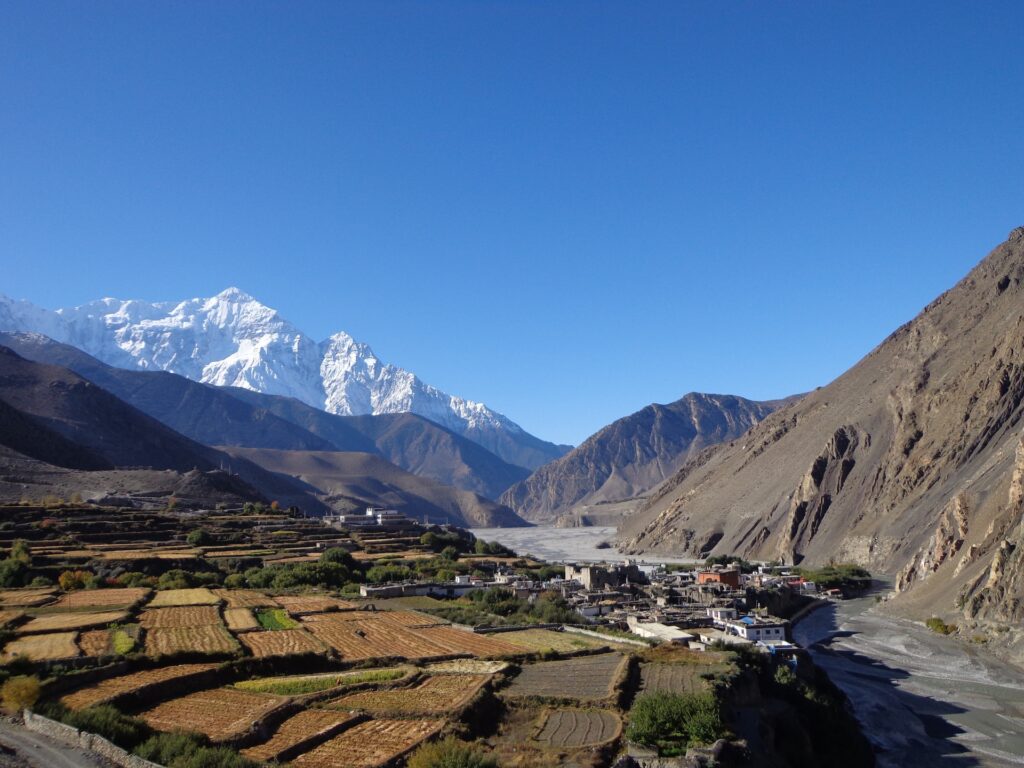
<point>88,741</point>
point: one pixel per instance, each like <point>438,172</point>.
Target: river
<point>560,545</point>
<point>923,699</point>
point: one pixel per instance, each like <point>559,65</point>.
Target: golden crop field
<point>57,645</point>
<point>9,615</point>
<point>111,688</point>
<point>298,604</point>
<point>178,597</point>
<point>101,598</point>
<point>371,639</point>
<point>244,598</point>
<point>240,619</point>
<point>53,622</point>
<point>95,642</point>
<point>369,745</point>
<point>283,642</point>
<point>455,641</point>
<point>297,729</point>
<point>436,695</point>
<point>184,616</point>
<point>26,597</point>
<point>209,639</point>
<point>147,554</point>
<point>220,714</point>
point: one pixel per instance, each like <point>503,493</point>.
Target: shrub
<point>671,721</point>
<point>450,753</point>
<point>71,580</point>
<point>200,537</point>
<point>106,721</point>
<point>21,692</point>
<point>189,750</point>
<point>935,624</point>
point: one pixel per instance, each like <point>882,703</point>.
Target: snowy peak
<point>232,339</point>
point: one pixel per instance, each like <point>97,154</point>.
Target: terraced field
<point>186,616</point>
<point>53,622</point>
<point>301,604</point>
<point>220,714</point>
<point>285,642</point>
<point>9,615</point>
<point>563,728</point>
<point>588,678</point>
<point>100,598</point>
<point>48,647</point>
<point>297,685</point>
<point>455,641</point>
<point>369,745</point>
<point>239,619</point>
<point>26,597</point>
<point>96,642</point>
<point>244,598</point>
<point>177,597</point>
<point>436,695</point>
<point>308,725</point>
<point>208,639</point>
<point>542,640</point>
<point>671,678</point>
<point>111,688</point>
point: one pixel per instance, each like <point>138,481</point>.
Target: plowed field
<point>175,597</point>
<point>187,616</point>
<point>586,677</point>
<point>64,621</point>
<point>220,714</point>
<point>369,745</point>
<point>436,695</point>
<point>299,604</point>
<point>284,642</point>
<point>57,645</point>
<point>578,728</point>
<point>113,687</point>
<point>215,639</point>
<point>101,598</point>
<point>244,598</point>
<point>306,725</point>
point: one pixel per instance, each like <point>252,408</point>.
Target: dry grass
<point>54,622</point>
<point>148,554</point>
<point>58,645</point>
<point>110,689</point>
<point>184,616</point>
<point>437,695</point>
<point>240,619</point>
<point>177,597</point>
<point>211,640</point>
<point>370,745</point>
<point>542,640</point>
<point>466,667</point>
<point>220,714</point>
<point>298,728</point>
<point>460,641</point>
<point>7,616</point>
<point>244,598</point>
<point>101,598</point>
<point>300,604</point>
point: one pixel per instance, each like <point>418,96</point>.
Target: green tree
<point>671,721</point>
<point>200,537</point>
<point>338,556</point>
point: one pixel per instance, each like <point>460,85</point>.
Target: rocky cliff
<point>908,463</point>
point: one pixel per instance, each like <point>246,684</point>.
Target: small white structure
<point>720,615</point>
<point>758,630</point>
<point>663,633</point>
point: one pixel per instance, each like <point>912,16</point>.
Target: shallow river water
<point>923,699</point>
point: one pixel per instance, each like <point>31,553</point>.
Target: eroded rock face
<point>950,534</point>
<point>902,464</point>
<point>998,594</point>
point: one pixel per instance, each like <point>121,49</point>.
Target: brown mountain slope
<point>356,480</point>
<point>904,463</point>
<point>632,455</point>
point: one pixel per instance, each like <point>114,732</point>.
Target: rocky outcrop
<point>907,463</point>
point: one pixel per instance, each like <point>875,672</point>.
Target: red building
<point>728,576</point>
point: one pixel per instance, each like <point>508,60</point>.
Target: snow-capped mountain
<point>231,339</point>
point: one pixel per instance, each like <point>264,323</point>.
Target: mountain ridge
<point>232,339</point>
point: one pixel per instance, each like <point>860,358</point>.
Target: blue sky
<point>566,210</point>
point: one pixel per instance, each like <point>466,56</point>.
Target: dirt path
<point>38,751</point>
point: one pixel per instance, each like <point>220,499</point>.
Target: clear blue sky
<point>566,210</point>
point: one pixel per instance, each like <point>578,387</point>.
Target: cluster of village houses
<point>696,607</point>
